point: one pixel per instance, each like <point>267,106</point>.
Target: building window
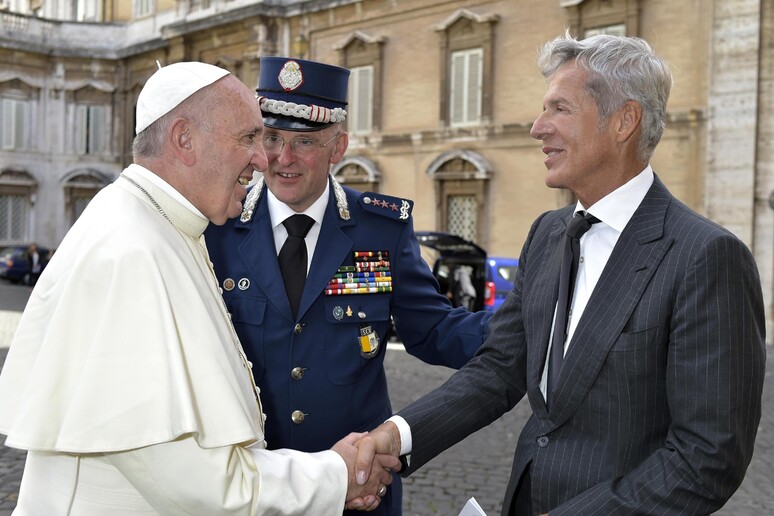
<point>87,10</point>
<point>362,54</point>
<point>16,190</point>
<point>15,119</point>
<point>619,29</point>
<point>91,129</point>
<point>461,179</point>
<point>143,8</point>
<point>592,17</point>
<point>467,54</point>
<point>465,92</point>
<point>361,95</point>
<point>13,218</point>
<point>462,216</point>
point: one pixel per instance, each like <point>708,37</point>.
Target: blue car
<point>501,273</point>
<point>14,265</point>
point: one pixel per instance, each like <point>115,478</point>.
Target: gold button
<point>298,329</point>
<point>297,373</point>
<point>297,416</point>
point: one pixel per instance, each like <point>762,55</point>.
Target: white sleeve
<point>179,477</point>
<point>405,434</point>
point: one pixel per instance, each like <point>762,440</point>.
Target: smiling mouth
<point>288,175</point>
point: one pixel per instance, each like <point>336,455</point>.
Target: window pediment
<point>460,164</point>
<point>359,39</point>
<point>86,178</point>
<point>17,177</point>
<point>468,16</point>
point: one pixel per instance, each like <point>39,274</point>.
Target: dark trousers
<point>522,498</point>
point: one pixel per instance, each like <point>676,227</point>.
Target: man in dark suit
<point>317,335</point>
<point>652,404</point>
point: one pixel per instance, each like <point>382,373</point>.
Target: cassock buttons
<point>297,416</point>
<point>298,329</point>
<point>297,373</point>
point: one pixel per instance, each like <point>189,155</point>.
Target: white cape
<point>125,341</point>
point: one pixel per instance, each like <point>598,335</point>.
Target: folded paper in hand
<point>472,509</point>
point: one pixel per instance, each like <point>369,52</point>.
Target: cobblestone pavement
<point>478,466</point>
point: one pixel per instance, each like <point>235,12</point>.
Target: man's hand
<point>384,439</point>
<point>364,489</point>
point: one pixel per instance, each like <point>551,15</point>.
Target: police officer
<point>312,271</point>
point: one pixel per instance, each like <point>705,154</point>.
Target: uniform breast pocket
<point>351,318</point>
<point>247,314</point>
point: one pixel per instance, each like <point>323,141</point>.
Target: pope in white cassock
<point>125,381</point>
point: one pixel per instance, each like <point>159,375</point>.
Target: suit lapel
<point>538,325</point>
<point>633,262</point>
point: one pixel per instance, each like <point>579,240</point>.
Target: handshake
<point>371,457</point>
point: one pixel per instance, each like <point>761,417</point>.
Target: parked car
<point>492,277</point>
<point>450,252</point>
<point>501,273</point>
<point>14,265</point>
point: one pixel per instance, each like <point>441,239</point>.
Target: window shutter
<point>475,79</point>
<point>8,123</point>
<point>22,117</point>
<point>361,99</point>
<point>97,129</point>
<point>81,131</point>
<point>466,86</point>
<point>457,100</point>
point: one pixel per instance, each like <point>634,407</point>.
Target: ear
<point>629,118</point>
<point>182,141</point>
<point>341,147</point>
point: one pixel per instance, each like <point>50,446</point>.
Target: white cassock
<point>128,387</point>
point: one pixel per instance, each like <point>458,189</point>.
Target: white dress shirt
<point>279,211</point>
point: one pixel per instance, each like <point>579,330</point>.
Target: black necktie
<point>293,259</point>
<point>580,223</point>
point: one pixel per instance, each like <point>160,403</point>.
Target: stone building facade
<point>443,96</point>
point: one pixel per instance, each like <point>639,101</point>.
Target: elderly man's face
<point>579,154</point>
<point>298,169</point>
<point>232,152</point>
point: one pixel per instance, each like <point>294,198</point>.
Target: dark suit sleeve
<point>714,378</point>
<point>483,390</point>
<point>429,327</point>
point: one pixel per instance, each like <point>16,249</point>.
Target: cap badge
<point>291,77</point>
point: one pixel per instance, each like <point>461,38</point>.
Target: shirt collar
<point>616,208</point>
<point>279,211</point>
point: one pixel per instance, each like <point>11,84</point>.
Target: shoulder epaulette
<point>392,207</point>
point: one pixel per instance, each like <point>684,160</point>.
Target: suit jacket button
<point>298,329</point>
<point>298,417</point>
<point>542,441</point>
<point>297,373</point>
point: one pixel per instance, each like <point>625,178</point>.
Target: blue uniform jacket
<point>316,386</point>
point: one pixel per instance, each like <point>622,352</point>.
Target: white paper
<point>472,509</point>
